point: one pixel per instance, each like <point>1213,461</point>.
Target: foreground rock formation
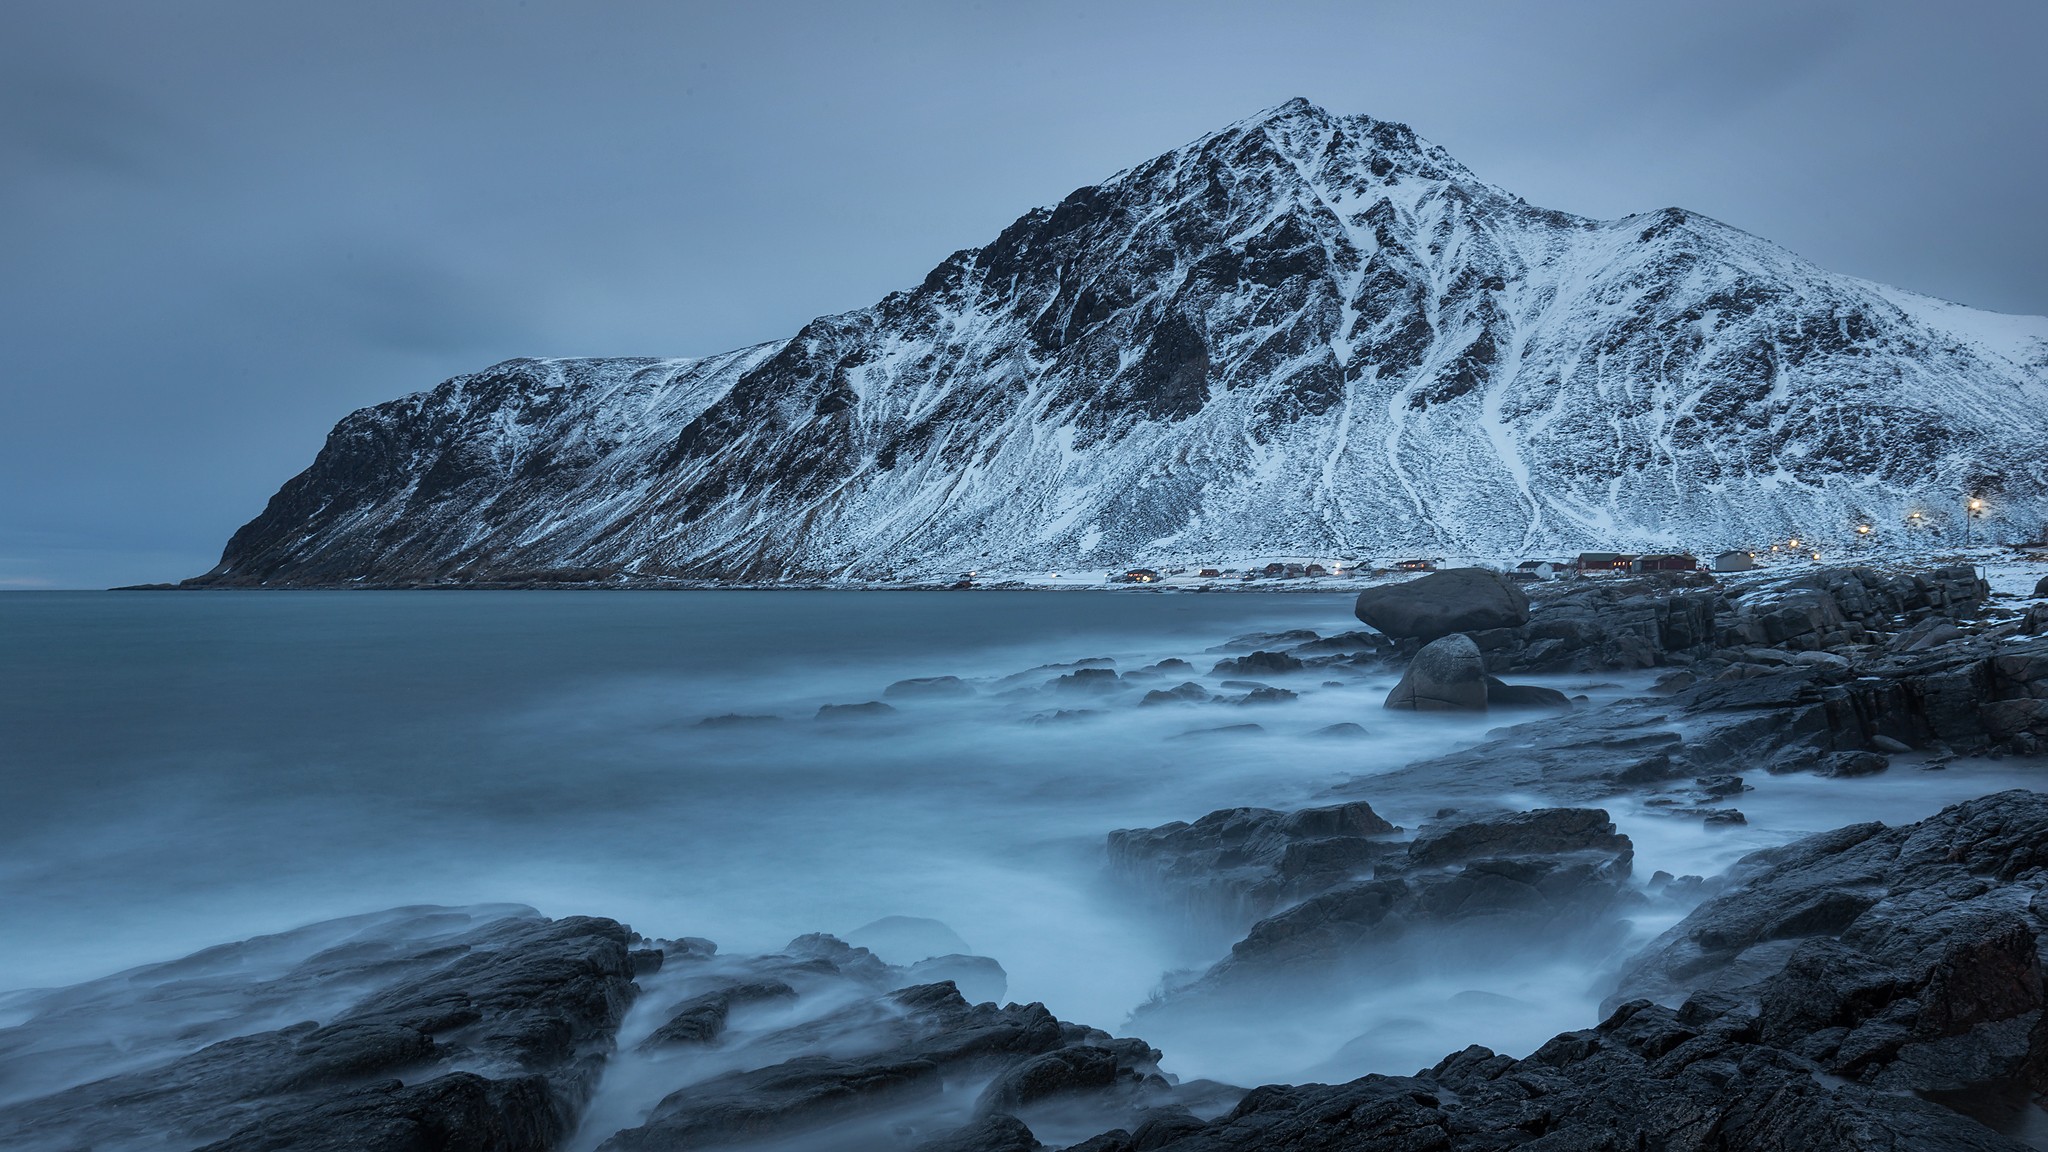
<point>1801,1008</point>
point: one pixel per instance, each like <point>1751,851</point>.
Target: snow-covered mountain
<point>1304,335</point>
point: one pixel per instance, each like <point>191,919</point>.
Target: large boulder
<point>1441,603</point>
<point>2041,586</point>
<point>1236,865</point>
<point>1448,675</point>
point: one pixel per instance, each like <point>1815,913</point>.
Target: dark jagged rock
<point>1542,832</point>
<point>1647,1077</point>
<point>1087,681</point>
<point>999,1132</point>
<point>498,1028</point>
<point>700,1019</point>
<point>979,978</point>
<point>1546,874</point>
<point>1221,730</point>
<point>1434,606</point>
<point>1187,692</point>
<point>1260,663</point>
<point>928,687</point>
<point>864,711</point>
<point>1267,694</point>
<point>1257,640</point>
<point>737,720</point>
<point>1074,1069</point>
<point>1500,694</point>
<point>1447,675</point>
<point>806,1092</point>
<point>927,1033</point>
<point>1237,864</point>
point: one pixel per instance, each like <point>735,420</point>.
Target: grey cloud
<point>229,222</point>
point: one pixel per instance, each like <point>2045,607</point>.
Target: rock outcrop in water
<point>1304,335</point>
<point>1801,1008</point>
<point>447,1030</point>
<point>1865,989</point>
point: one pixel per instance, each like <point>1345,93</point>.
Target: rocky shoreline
<point>1870,987</point>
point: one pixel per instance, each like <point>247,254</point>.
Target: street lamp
<point>1973,510</point>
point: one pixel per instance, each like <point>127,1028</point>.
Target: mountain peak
<point>1301,335</point>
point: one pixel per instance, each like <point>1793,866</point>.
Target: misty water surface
<point>178,770</point>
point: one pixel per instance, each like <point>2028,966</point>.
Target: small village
<point>1791,552</point>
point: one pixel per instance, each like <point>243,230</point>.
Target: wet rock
<point>1644,1078</point>
<point>1447,675</point>
<point>796,1094</point>
<point>979,978</point>
<point>838,956</point>
<point>497,1025</point>
<point>701,1019</point>
<point>1087,680</point>
<point>1236,864</point>
<point>917,1038</point>
<point>1894,957</point>
<point>2041,586</point>
<point>1500,694</point>
<point>1066,1071</point>
<point>1187,692</point>
<point>1544,874</point>
<point>928,687</point>
<point>1251,640</point>
<point>737,720</point>
<point>1852,764</point>
<point>999,1132</point>
<point>1674,682</point>
<point>1220,730</point>
<point>1434,606</point>
<point>1341,731</point>
<point>1543,831</point>
<point>1031,676</point>
<point>1062,715</point>
<point>1264,694</point>
<point>1341,644</point>
<point>868,710</point>
<point>1259,663</point>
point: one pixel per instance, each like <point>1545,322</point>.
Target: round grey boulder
<point>1436,605</point>
<point>1448,675</point>
<point>2041,586</point>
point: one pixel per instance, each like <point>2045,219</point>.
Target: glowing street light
<point>1974,510</point>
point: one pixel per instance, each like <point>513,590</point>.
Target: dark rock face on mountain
<point>1303,334</point>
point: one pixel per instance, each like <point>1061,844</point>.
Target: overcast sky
<point>225,225</point>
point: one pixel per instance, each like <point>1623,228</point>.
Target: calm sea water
<point>178,770</point>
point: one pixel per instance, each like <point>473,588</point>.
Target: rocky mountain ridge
<point>1304,334</point>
